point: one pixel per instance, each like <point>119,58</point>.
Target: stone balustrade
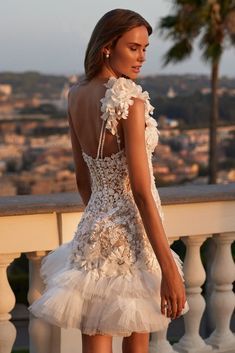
<point>35,225</point>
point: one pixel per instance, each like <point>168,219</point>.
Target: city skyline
<point>52,37</point>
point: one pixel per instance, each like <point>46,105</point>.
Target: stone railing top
<point>71,202</point>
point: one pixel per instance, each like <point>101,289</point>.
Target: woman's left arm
<point>81,168</point>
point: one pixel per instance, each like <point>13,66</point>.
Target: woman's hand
<point>172,294</point>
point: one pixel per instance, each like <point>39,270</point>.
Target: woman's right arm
<point>172,289</point>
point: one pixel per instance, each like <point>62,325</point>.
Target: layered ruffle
<point>99,304</point>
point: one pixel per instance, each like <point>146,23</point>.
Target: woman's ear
<point>107,51</point>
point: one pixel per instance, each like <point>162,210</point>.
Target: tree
<point>213,21</point>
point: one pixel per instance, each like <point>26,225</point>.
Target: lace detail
<point>107,279</point>
<point>110,236</point>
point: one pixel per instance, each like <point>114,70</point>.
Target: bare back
<point>85,112</point>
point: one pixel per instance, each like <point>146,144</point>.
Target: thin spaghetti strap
<point>102,144</point>
<point>118,141</point>
<point>101,139</point>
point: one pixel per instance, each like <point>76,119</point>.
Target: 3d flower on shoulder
<point>118,97</point>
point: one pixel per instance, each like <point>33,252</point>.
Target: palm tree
<point>213,21</point>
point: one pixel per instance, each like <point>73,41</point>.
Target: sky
<point>50,36</point>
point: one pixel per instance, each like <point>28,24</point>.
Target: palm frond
<point>168,22</point>
<point>167,26</point>
<point>178,52</point>
<point>212,52</point>
<point>229,22</point>
<point>197,3</point>
<point>225,7</point>
<point>185,22</point>
<point>232,39</point>
<point>215,19</point>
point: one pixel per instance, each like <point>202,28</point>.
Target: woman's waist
<point>111,198</point>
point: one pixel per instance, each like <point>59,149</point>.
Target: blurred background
<point>42,52</point>
<point>43,46</point>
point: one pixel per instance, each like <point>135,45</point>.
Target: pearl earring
<point>107,55</point>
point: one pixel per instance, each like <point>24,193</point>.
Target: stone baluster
<point>7,303</point>
<point>159,342</point>
<point>222,297</point>
<point>194,275</point>
<point>40,332</point>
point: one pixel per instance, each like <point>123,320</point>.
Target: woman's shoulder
<point>73,92</point>
<point>76,88</point>
<point>122,85</point>
<point>120,94</point>
<point>78,92</point>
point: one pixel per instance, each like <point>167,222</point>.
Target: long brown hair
<point>107,31</point>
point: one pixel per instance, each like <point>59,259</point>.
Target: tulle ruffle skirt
<point>98,304</point>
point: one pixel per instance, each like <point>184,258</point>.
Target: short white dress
<point>107,279</point>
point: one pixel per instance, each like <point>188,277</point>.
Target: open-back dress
<point>107,279</point>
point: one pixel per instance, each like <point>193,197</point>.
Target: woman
<point>118,276</point>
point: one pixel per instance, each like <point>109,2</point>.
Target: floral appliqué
<point>110,236</point>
